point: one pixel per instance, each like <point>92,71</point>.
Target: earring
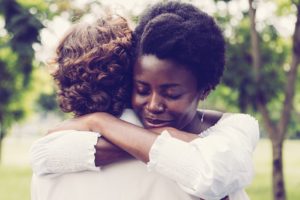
<point>202,116</point>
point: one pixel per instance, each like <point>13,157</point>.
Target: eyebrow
<point>163,85</point>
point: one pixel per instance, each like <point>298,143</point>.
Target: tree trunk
<point>0,150</point>
<point>277,133</point>
<point>278,177</point>
<point>255,53</point>
<point>1,140</point>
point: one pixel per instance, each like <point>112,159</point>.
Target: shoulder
<point>245,124</point>
<point>243,119</point>
<point>211,117</point>
<point>234,125</point>
<point>239,121</point>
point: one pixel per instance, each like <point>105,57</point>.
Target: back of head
<point>93,73</point>
<point>183,33</point>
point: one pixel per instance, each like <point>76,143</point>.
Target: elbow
<point>212,188</point>
<point>217,183</point>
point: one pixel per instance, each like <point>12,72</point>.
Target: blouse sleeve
<point>64,152</point>
<point>69,151</point>
<point>210,167</point>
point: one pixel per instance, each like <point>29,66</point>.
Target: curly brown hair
<point>94,67</point>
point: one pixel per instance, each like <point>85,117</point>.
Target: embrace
<point>137,133</point>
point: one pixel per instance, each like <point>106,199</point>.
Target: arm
<point>214,166</point>
<point>216,152</point>
<point>65,150</point>
<point>73,151</point>
<point>210,167</point>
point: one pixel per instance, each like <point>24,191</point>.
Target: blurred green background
<point>261,78</point>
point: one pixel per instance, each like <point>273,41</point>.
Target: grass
<point>15,173</point>
<point>261,187</point>
<point>15,183</point>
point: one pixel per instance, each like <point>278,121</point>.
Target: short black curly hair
<point>94,67</point>
<point>183,33</point>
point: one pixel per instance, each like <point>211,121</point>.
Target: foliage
<point>10,85</point>
<point>274,54</point>
<point>239,75</point>
<point>23,29</point>
<point>16,55</point>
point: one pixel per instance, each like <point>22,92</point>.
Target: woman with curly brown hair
<point>93,73</point>
<point>179,59</point>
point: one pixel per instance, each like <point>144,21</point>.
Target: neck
<point>195,126</point>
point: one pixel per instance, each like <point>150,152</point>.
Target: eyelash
<point>145,92</point>
<point>142,91</point>
<point>173,97</point>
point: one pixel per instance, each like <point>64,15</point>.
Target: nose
<point>155,104</point>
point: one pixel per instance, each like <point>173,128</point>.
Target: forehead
<point>150,68</point>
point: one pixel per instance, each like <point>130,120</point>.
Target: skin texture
<point>165,94</point>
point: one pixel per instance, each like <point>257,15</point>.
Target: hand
<point>79,123</point>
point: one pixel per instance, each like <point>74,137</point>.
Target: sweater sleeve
<point>210,167</point>
<point>64,152</point>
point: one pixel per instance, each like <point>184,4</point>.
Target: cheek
<point>185,111</point>
<point>187,105</point>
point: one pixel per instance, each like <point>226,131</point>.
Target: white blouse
<point>209,167</point>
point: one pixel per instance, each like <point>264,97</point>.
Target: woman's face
<point>164,94</point>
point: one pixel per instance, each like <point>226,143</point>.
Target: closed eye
<point>142,92</point>
<point>173,96</point>
<point>141,89</point>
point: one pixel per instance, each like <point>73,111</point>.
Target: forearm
<point>186,164</point>
<point>107,153</point>
<point>207,168</point>
<point>135,140</point>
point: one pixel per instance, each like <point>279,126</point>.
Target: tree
<point>264,81</point>
<point>262,77</point>
<point>23,22</point>
<point>276,131</point>
<point>16,56</point>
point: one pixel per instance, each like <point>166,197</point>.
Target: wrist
<point>98,121</point>
<point>95,122</point>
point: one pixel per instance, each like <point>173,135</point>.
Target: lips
<point>156,123</point>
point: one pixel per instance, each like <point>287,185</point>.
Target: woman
<point>93,75</point>
<point>180,59</point>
